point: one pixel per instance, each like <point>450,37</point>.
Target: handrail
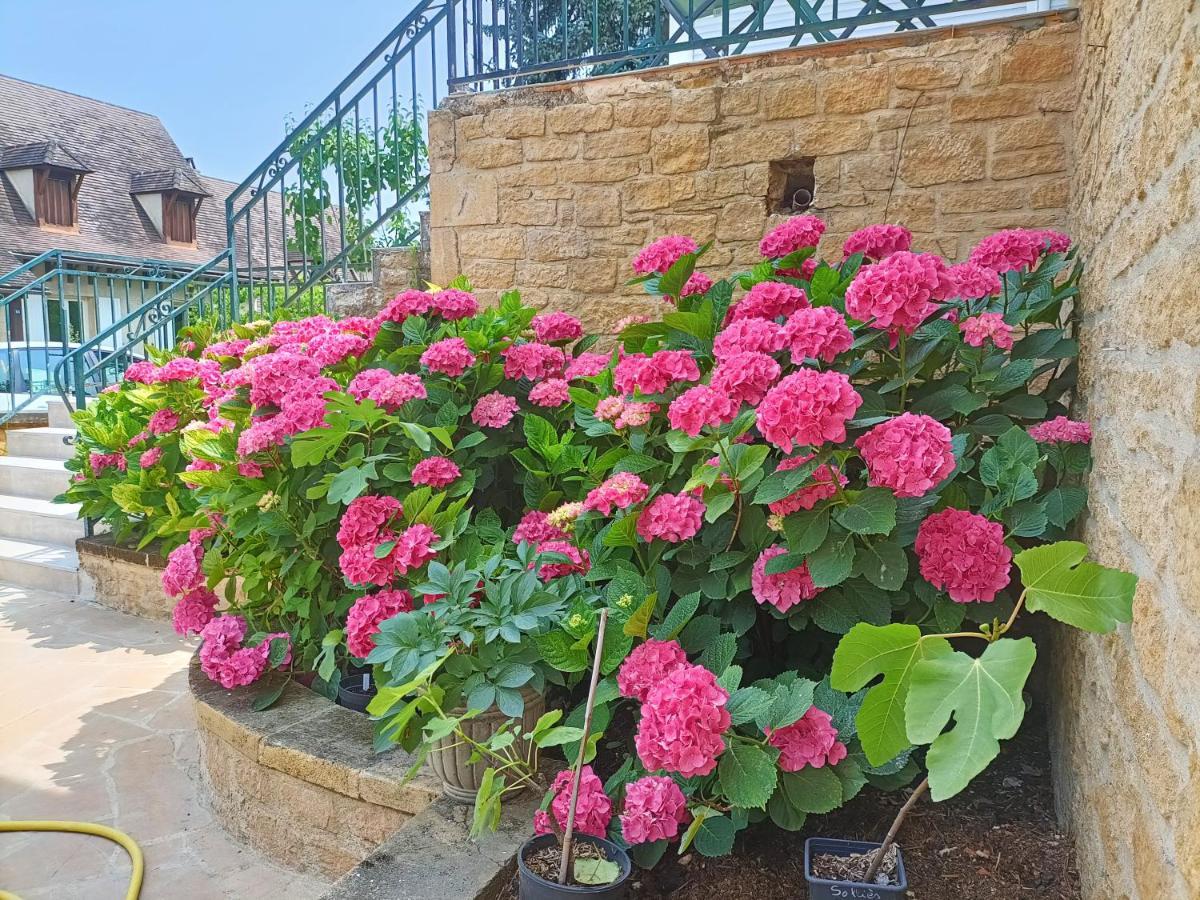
<point>32,264</point>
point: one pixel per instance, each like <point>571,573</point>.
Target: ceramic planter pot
<point>534,887</point>
<point>829,889</point>
<point>461,780</point>
<point>352,694</point>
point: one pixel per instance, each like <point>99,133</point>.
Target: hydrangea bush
<point>801,494</point>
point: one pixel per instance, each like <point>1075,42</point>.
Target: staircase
<point>37,536</point>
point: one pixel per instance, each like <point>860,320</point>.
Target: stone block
<point>741,220</point>
<point>504,242</point>
<point>679,149</point>
<point>789,99</point>
<point>639,112</point>
<point>996,103</point>
<point>1040,57</point>
<point>694,105</point>
<point>549,244</point>
<point>580,117</point>
<point>618,143</point>
<point>462,199</point>
<point>491,153</point>
<point>544,149</point>
<point>599,171</point>
<point>980,200</point>
<point>937,157</point>
<point>855,91</point>
<point>641,194</point>
<point>827,138</point>
<point>750,145</point>
<point>1027,134</point>
<point>515,122</point>
<point>1050,194</point>
<point>597,206</point>
<point>926,76</point>
<point>530,212</point>
<point>740,100</point>
<point>1021,163</point>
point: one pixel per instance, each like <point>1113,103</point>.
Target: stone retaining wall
<point>300,781</point>
<point>954,132</point>
<point>124,579</point>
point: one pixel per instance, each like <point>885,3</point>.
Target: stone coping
<point>104,546</point>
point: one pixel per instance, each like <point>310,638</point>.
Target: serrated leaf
<point>984,697</point>
<point>839,611</point>
<point>1064,503</point>
<point>1084,594</point>
<point>1026,519</point>
<point>812,790</point>
<point>559,650</point>
<point>747,704</point>
<point>832,562</point>
<point>748,775</point>
<point>681,613</point>
<point>884,564</point>
<point>788,703</point>
<point>778,485</point>
<point>806,529</point>
<point>714,836</point>
<point>718,655</point>
<point>639,622</point>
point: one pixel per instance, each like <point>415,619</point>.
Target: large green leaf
<point>872,511</point>
<point>840,609</point>
<point>1084,594</point>
<point>892,651</point>
<point>984,697</point>
<point>813,790</point>
<point>747,773</point>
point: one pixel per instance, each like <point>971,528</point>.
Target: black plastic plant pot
<point>830,889</point>
<point>534,887</point>
<point>352,694</point>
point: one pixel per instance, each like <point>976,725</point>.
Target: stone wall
<point>1128,728</point>
<point>553,188</point>
<point>124,579</point>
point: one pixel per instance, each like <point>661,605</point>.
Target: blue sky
<point>221,74</point>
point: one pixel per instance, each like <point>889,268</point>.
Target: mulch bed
<point>997,840</point>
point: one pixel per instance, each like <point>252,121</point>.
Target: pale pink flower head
<point>450,356</point>
<point>435,471</point>
<point>820,333</point>
<point>452,304</point>
<point>671,517</point>
<point>609,409</point>
<point>593,809</point>
<point>628,321</point>
<point>1017,248</point>
<point>659,256</point>
<point>700,406</point>
<point>193,611</point>
<point>821,486</point>
<point>898,293</point>
<point>333,347</point>
<point>586,365</point>
<point>365,616</point>
<point>578,561</point>
<point>654,809</point>
<point>910,454</point>
<point>552,392</point>
<point>972,281</point>
<point>877,242</point>
<point>987,327</point>
<point>647,665</point>
<point>791,235</point>
<point>621,491</point>
<point>654,374</point>
<point>808,408</point>
<point>1056,241</point>
<point>163,421</point>
<point>494,410</point>
<point>1061,430</point>
<point>683,718</point>
<point>769,300</point>
<point>784,589</point>
<point>150,458</point>
<point>183,573</point>
<point>745,377</point>
<point>749,334</point>
<point>535,527</point>
<point>635,415</point>
<point>963,554</point>
<point>809,741</point>
<point>405,304</point>
<point>556,327</point>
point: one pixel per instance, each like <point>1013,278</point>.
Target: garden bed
<point>125,579</point>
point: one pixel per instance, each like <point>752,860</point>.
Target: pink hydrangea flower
<point>182,368</point>
<point>234,348</point>
<point>769,300</point>
<point>899,292</point>
<point>535,527</point>
<point>784,589</point>
<point>647,665</point>
<point>541,823</point>
<point>435,471</point>
<point>987,326</point>
<point>586,365</point>
<point>878,241</point>
<point>333,347</point>
<point>791,235</point>
<point>697,285</point>
<point>98,462</point>
<point>163,421</point>
<point>250,470</point>
<point>533,361</point>
<point>494,410</point>
<point>808,408</point>
<point>628,321</point>
<point>635,415</point>
<point>552,392</point>
<point>683,718</point>
<point>365,519</point>
<point>365,616</point>
<point>1017,248</point>
<point>183,573</point>
<point>150,458</point>
<point>699,406</point>
<point>910,454</point>
<point>140,372</point>
<point>621,491</point>
<point>1056,241</point>
<point>749,334</point>
<point>609,409</point>
<point>552,327</point>
<point>809,741</point>
<point>817,333</point>
<point>389,391</point>
<point>413,548</point>
<point>654,809</point>
<point>654,374</point>
<point>579,560</point>
<point>659,256</point>
<point>821,486</point>
<point>405,304</point>
<point>745,377</point>
<point>963,554</point>
<point>223,658</point>
<point>593,809</point>
<point>972,281</point>
<point>448,357</point>
<point>452,304</point>
<point>1061,430</point>
<point>671,517</point>
<point>193,611</point>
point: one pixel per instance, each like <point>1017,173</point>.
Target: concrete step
<point>60,416</point>
<point>48,567</point>
<point>28,476</point>
<point>44,443</point>
<point>40,521</point>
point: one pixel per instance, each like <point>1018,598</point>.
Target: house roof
<point>119,145</point>
<point>44,153</point>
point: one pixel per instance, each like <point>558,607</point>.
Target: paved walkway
<point>96,725</point>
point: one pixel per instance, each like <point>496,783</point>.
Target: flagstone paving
<point>96,725</point>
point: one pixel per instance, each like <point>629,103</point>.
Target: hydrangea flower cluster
<point>551,393</point>
<point>494,410</point>
<point>898,293</point>
<point>822,486</point>
<point>593,809</point>
<point>963,554</point>
<point>909,454</point>
<point>586,365</point>
<point>556,327</point>
<point>809,741</point>
<point>816,333</point>
<point>984,327</point>
<point>365,525</point>
<point>749,334</point>
<point>808,408</point>
<point>790,235</point>
<point>225,660</point>
<point>699,406</point>
<point>658,257</point>
<point>365,616</point>
<point>183,573</point>
<point>621,491</point>
<point>1017,248</point>
<point>647,665</point>
<point>389,391</point>
<point>654,374</point>
<point>1061,430</point>
<point>535,527</point>
<point>683,719</point>
<point>972,281</point>
<point>578,561</point>
<point>533,361</point>
<point>435,471</point>
<point>671,517</point>
<point>655,808</point>
<point>784,589</point>
<point>194,610</point>
<point>449,356</point>
<point>163,421</point>
<point>744,377</point>
<point>769,300</point>
<point>876,242</point>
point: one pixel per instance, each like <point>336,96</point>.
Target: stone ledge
<point>124,579</point>
<point>300,781</point>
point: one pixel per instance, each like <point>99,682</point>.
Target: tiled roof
<point>186,180</point>
<point>45,153</point>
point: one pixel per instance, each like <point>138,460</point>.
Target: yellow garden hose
<point>117,837</point>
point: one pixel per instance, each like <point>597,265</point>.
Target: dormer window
<point>47,178</point>
<point>170,199</point>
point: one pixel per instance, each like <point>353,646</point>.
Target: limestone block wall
<point>1128,729</point>
<point>553,188</point>
<point>124,579</point>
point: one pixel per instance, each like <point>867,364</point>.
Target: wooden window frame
<point>42,176</point>
<point>170,199</point>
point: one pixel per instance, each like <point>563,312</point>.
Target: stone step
<point>60,416</point>
<point>47,567</point>
<point>28,476</point>
<point>44,443</point>
<point>40,521</point>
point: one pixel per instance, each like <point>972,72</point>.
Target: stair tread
<point>47,429</point>
<point>54,556</point>
<point>36,507</point>
<point>33,462</point>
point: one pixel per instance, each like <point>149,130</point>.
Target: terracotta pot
<point>460,780</point>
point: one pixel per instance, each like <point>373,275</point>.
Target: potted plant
<point>356,689</point>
